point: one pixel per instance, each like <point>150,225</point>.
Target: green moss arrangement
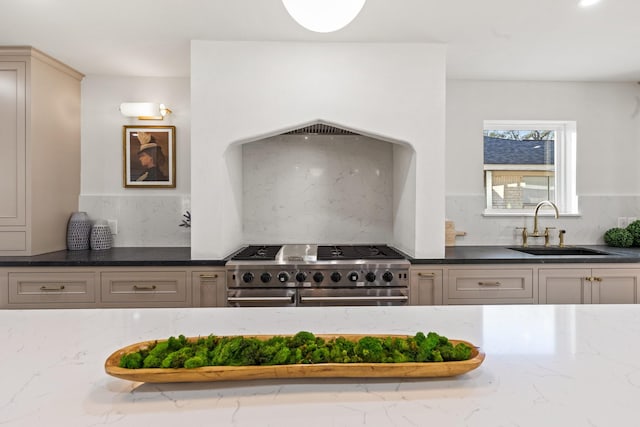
<point>303,347</point>
<point>618,237</point>
<point>634,229</point>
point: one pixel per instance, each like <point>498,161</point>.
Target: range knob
<point>370,276</point>
<point>335,277</point>
<point>283,276</point>
<point>301,277</point>
<point>247,277</point>
<point>387,276</point>
<point>353,276</point>
<point>265,277</point>
<point>318,277</point>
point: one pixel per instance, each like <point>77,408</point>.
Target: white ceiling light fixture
<point>587,3</point>
<point>144,110</point>
<point>323,16</point>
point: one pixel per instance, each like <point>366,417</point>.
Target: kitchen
<point>447,184</point>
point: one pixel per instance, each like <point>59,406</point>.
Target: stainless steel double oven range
<point>317,275</point>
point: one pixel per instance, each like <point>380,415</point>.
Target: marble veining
<point>546,365</point>
<point>320,189</point>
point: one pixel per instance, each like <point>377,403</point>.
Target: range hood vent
<point>320,129</point>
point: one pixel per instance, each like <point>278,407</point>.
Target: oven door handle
<point>354,298</point>
<point>259,299</point>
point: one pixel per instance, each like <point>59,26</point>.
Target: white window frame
<point>564,159</point>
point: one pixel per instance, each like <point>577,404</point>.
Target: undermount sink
<point>557,251</point>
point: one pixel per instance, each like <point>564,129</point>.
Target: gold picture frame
<point>149,156</point>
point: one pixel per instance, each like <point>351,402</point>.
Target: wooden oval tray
<point>319,370</point>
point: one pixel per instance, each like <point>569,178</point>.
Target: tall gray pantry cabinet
<point>39,150</point>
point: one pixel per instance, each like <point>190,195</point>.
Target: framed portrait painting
<point>149,154</point>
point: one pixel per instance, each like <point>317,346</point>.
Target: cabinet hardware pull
<point>489,283</point>
<point>589,279</point>
<point>52,288</point>
<point>426,274</point>
<point>144,288</point>
<point>208,276</point>
<point>597,279</point>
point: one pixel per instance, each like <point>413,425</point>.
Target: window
<point>526,162</point>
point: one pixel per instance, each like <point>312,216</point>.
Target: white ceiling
<point>488,39</point>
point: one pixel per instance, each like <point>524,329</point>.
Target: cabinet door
<point>12,150</point>
<point>615,286</point>
<point>425,287</point>
<point>564,286</point>
<point>209,288</point>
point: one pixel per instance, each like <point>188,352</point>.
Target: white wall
<point>146,217</point>
<point>607,115</point>
<point>243,91</point>
<point>608,146</point>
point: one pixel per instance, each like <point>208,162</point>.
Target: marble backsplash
<point>142,220</point>
<point>154,220</point>
<point>318,189</point>
<point>597,215</point>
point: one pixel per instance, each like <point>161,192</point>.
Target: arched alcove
<point>319,182</point>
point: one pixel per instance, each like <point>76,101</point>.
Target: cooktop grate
<point>260,252</point>
<point>326,253</point>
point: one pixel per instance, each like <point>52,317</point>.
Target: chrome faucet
<point>536,232</point>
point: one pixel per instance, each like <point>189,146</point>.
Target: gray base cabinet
<point>111,287</point>
<point>52,289</point>
<point>209,287</point>
<point>589,286</point>
<point>525,284</point>
<point>425,287</point>
<point>89,287</point>
<point>490,286</point>
<point>146,288</point>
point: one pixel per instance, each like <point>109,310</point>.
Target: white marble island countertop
<point>545,366</point>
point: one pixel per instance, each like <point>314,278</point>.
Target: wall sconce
<point>323,16</point>
<point>144,110</point>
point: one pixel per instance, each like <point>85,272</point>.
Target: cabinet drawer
<point>51,287</point>
<point>138,287</point>
<point>491,284</point>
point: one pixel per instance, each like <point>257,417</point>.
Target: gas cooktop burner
<point>336,252</point>
<point>261,252</point>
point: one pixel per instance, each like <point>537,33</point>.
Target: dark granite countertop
<point>504,255</point>
<point>181,256</point>
<point>138,256</point>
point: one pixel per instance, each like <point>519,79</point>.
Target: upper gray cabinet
<point>39,150</point>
